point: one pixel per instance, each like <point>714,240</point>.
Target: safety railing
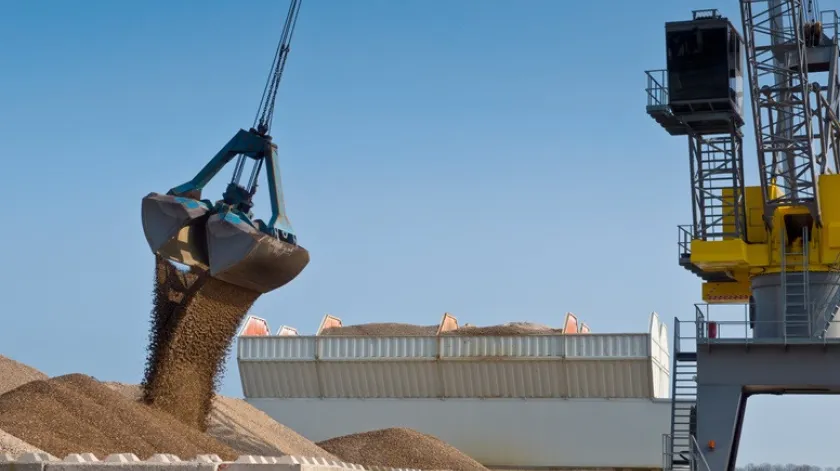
<point>657,91</point>
<point>696,452</point>
<point>685,234</point>
<point>667,459</point>
<point>830,21</point>
<point>696,460</point>
<point>730,323</point>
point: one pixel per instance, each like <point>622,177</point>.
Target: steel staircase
<point>683,403</point>
<point>795,283</point>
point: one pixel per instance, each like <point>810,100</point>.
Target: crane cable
<point>265,112</point>
<point>813,11</point>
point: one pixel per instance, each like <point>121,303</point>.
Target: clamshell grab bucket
<point>241,255</point>
<point>174,228</point>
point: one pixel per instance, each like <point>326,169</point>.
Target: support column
<point>720,410</point>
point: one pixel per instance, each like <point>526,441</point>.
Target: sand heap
<point>245,428</point>
<point>14,445</point>
<point>14,374</point>
<point>194,321</point>
<point>77,414</point>
<point>510,328</point>
<point>383,329</point>
<point>400,448</point>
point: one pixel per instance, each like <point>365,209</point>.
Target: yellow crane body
<point>761,252</point>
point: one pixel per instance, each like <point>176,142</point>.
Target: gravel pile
<point>383,329</point>
<point>190,340</point>
<point>246,429</point>
<point>251,431</point>
<point>510,328</point>
<point>400,448</point>
<point>77,414</point>
<point>14,374</point>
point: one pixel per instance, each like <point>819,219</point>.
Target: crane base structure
<point>769,254</point>
<point>715,376</point>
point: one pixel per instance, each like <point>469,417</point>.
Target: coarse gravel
<point>381,329</point>
<point>510,328</point>
<point>14,374</point>
<point>190,343</point>
<point>77,414</point>
<point>400,448</point>
<point>246,429</point>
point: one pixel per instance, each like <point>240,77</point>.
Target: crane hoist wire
<point>265,111</point>
<point>813,11</point>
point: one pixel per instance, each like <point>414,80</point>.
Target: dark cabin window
<point>698,64</point>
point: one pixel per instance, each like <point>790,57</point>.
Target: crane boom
<point>778,66</point>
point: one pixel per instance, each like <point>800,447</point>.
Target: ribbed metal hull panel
<point>626,346</point>
<point>389,348</point>
<point>537,366</point>
<point>534,346</point>
<point>287,348</point>
<point>378,379</point>
<point>283,380</point>
<point>607,378</point>
<point>509,379</point>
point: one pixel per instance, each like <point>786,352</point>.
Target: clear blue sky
<point>488,158</point>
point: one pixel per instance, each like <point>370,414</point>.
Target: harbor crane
<point>773,248</point>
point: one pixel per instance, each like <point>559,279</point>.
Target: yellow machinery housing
<point>761,252</point>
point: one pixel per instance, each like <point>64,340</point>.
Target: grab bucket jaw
<point>244,256</point>
<point>174,228</point>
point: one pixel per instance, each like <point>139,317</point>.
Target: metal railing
<point>731,324</point>
<point>685,234</point>
<point>696,459</point>
<point>657,91</point>
<point>830,20</point>
<point>667,459</point>
<point>696,451</point>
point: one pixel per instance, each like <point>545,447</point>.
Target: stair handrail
<point>667,460</point>
<point>700,321</point>
<point>696,452</point>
